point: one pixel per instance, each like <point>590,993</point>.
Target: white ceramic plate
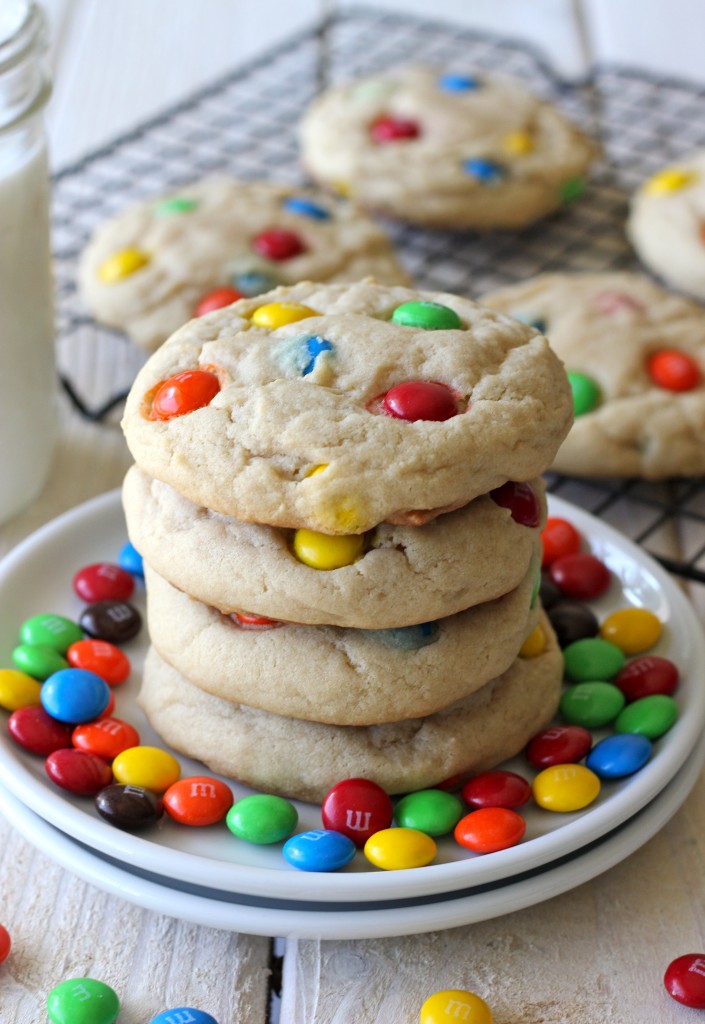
<point>332,921</point>
<point>36,577</point>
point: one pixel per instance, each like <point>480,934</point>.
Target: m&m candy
<point>673,370</point>
<point>130,808</point>
<point>106,737</point>
<point>560,744</point>
<point>586,392</point>
<point>358,808</point>
<point>394,129</point>
<point>38,660</point>
<point>114,621</point>
<point>319,850</point>
<point>198,800</point>
<point>17,689</point>
<point>397,849</point>
<point>565,787</point>
<point>78,771</point>
<point>490,829</point>
<point>101,657</point>
<point>644,676</point>
<point>217,299</point>
<point>420,400</point>
<point>103,581</point>
<point>455,1004</point>
<point>325,552</point>
<point>521,501</point>
<point>685,980</point>
<point>122,264</point>
<point>183,1015</point>
<point>278,244</point>
<point>5,943</point>
<point>580,575</point>
<point>74,695</point>
<point>633,630</point>
<point>148,767</point>
<point>53,630</point>
<point>429,316</point>
<point>432,811</point>
<point>558,538</point>
<point>37,731</point>
<point>183,393</point>
<point>262,819</point>
<point>497,788</point>
<point>83,1001</point>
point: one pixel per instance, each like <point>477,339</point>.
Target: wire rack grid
<point>245,125</point>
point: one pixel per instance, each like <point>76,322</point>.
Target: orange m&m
<point>183,393</point>
<point>101,657</point>
<point>490,829</point>
<point>106,737</point>
<point>198,800</point>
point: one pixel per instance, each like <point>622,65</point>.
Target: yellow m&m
<point>518,143</point>
<point>396,849</point>
<point>278,314</point>
<point>455,1004</point>
<point>148,767</point>
<point>322,551</point>
<point>633,630</point>
<point>565,787</point>
<point>534,644</point>
<point>121,264</point>
<point>17,689</point>
<point>672,179</point>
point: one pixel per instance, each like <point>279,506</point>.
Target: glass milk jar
<point>27,365</point>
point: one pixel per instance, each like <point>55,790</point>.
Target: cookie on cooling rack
<point>445,150</point>
<point>341,676</point>
<point>392,576</point>
<point>635,356</point>
<point>159,263</point>
<point>305,759</point>
<point>666,224</point>
<point>338,407</point>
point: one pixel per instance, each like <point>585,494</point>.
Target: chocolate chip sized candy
<point>571,621</point>
<point>130,808</point>
<point>548,592</point>
<point>114,621</point>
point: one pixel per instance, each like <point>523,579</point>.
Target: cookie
<point>445,150</point>
<point>147,270</point>
<point>401,576</point>
<point>340,676</point>
<point>377,404</point>
<point>666,224</point>
<point>635,354</point>
<point>304,760</point>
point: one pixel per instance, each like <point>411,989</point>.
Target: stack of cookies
<point>336,496</point>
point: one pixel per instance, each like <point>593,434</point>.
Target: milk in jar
<point>27,362</point>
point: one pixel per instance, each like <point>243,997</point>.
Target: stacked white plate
<point>208,876</point>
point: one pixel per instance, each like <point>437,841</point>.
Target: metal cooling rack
<point>245,125</point>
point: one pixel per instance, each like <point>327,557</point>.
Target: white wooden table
<point>595,954</point>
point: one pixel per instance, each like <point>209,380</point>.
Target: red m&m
<point>358,808</point>
<point>560,744</point>
<point>498,788</point>
<point>5,943</point>
<point>394,129</point>
<point>278,244</point>
<point>103,581</point>
<point>183,393</point>
<point>645,676</point>
<point>673,370</point>
<point>78,772</point>
<point>35,730</point>
<point>685,980</point>
<point>420,400</point>
<point>580,575</point>
<point>216,299</point>
<point>521,501</point>
<point>558,538</point>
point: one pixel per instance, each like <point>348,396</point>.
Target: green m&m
<point>591,704</point>
<point>429,316</point>
<point>586,392</point>
<point>650,716</point>
<point>83,1001</point>
<point>432,811</point>
<point>592,658</point>
<point>38,660</point>
<point>50,630</point>
<point>262,819</point>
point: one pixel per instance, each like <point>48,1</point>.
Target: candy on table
<point>75,695</point>
<point>130,559</point>
<point>38,660</point>
<point>685,980</point>
<point>184,393</point>
<point>217,299</point>
<point>130,808</point>
<point>105,737</point>
<point>560,744</point>
<point>103,658</point>
<point>490,829</point>
<point>78,772</point>
<point>5,943</point>
<point>102,581</point>
<point>650,716</point>
<point>319,850</point>
<point>262,819</point>
<point>615,757</point>
<point>183,1015</point>
<point>325,552</point>
<point>358,808</point>
<point>592,704</point>
<point>114,621</point>
<point>397,849</point>
<point>633,630</point>
<point>432,811</point>
<point>497,788</point>
<point>35,730</point>
<point>565,787</point>
<point>83,1001</point>
<point>18,690</point>
<point>648,675</point>
<point>580,575</point>
<point>455,1004</point>
<point>52,630</point>
<point>147,767</point>
<point>198,800</point>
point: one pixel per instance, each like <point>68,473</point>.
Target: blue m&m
<point>183,1015</point>
<point>486,171</point>
<point>130,560</point>
<point>319,850</point>
<point>75,695</point>
<point>450,82</point>
<point>306,208</point>
<point>614,757</point>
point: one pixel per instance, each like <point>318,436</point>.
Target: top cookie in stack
<point>338,407</point>
<point>336,501</point>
